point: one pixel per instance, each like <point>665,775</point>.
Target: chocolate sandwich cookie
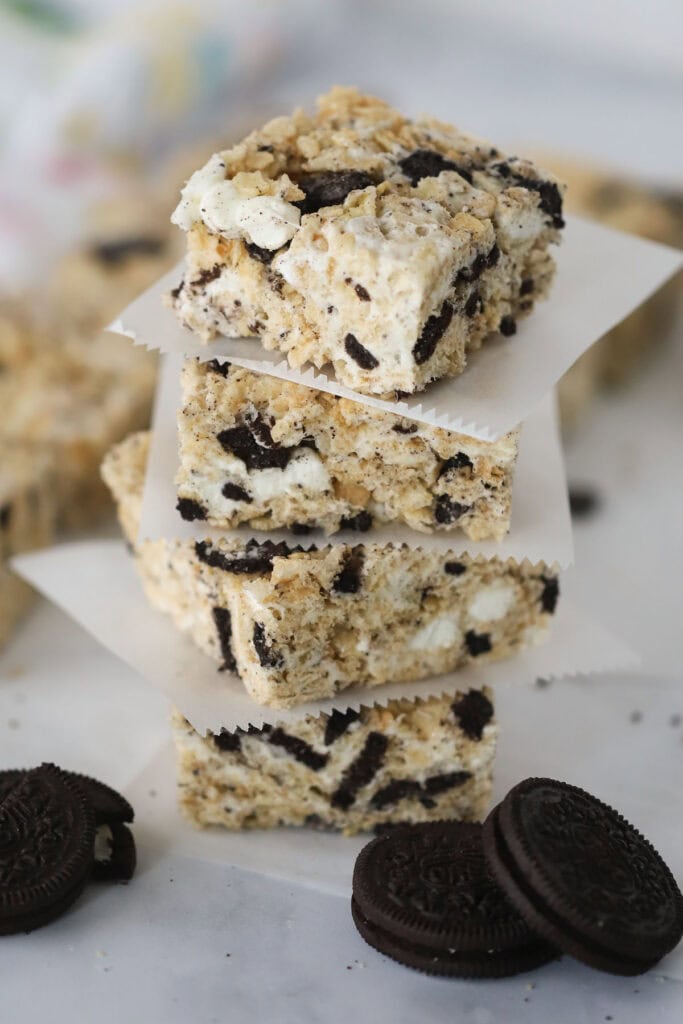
<point>115,854</point>
<point>47,833</point>
<point>583,877</point>
<point>424,896</point>
<point>109,807</point>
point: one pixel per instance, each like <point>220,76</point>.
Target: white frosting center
<point>443,631</point>
<point>492,602</point>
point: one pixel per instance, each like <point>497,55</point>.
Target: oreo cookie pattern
<point>583,877</point>
<point>424,895</point>
<point>342,264</point>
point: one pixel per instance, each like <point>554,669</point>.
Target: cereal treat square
<point>28,513</point>
<point>413,760</point>
<point>75,410</point>
<point>299,625</point>
<point>356,238</point>
<point>263,451</point>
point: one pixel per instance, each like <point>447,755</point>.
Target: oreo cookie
<point>115,854</point>
<point>47,833</point>
<point>423,895</point>
<point>582,877</point>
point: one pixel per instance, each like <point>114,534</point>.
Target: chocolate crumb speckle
<point>359,353</point>
<point>362,293</point>
<point>448,511</point>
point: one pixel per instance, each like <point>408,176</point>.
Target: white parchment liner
<point>95,582</point>
<point>540,527</point>
<point>602,276</point>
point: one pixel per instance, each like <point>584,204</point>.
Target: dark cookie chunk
<point>424,895</point>
<point>394,791</point>
<point>299,749</point>
<point>348,579</point>
<point>436,784</point>
<point>302,529</point>
<point>455,568</point>
<point>337,724</point>
<point>47,830</point>
<point>473,713</point>
<point>115,854</point>
<point>361,522</point>
<point>475,269</point>
<point>361,771</point>
<point>252,442</point>
<point>236,493</point>
<point>527,286</point>
<point>429,163</point>
<point>405,428</point>
<point>362,293</point>
<point>493,256</point>
<point>550,593</point>
<point>507,326</point>
<point>109,807</point>
<point>432,333</point>
<point>459,461</point>
<point>254,558</point>
<point>477,643</point>
<point>258,253</point>
<point>400,789</point>
<point>329,188</point>
<point>359,353</point>
<point>223,623</point>
<point>583,877</point>
<point>583,501</point>
<point>205,277</point>
<point>265,652</point>
<point>448,511</point>
<point>222,367</point>
<point>229,742</point>
<point>473,305</point>
<point>550,197</point>
<point>190,509</point>
<point>117,251</point>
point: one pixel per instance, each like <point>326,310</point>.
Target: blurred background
<point>106,107</point>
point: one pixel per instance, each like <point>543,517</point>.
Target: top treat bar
<point>385,247</point>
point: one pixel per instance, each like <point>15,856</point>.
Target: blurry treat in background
<point>638,209</point>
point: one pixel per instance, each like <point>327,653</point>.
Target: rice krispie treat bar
<point>299,625</point>
<point>74,412</point>
<point>28,513</point>
<point>411,761</point>
<point>385,247</point>
<point>263,451</point>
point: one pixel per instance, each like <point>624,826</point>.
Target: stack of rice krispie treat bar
<point>382,249</point>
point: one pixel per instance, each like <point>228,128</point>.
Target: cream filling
<point>304,471</point>
<point>444,631</point>
<point>492,602</point>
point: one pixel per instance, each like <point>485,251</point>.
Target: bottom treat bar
<point>413,760</point>
<point>299,625</point>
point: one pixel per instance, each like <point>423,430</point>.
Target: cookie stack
<point>387,249</point>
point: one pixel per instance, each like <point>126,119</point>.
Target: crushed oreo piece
<point>218,366</point>
<point>527,286</point>
<point>361,522</point>
<point>190,509</point>
<point>255,558</point>
<point>266,653</point>
<point>362,293</point>
<point>429,163</point>
<point>230,742</point>
<point>115,252</point>
<point>436,784</point>
<point>337,724</point>
<point>258,253</point>
<point>448,511</point>
<point>507,326</point>
<point>474,304</point>
<point>475,269</point>
<point>432,333</point>
<point>361,771</point>
<point>359,353</point>
<point>459,461</point>
<point>455,568</point>
<point>401,428</point>
<point>223,623</point>
<point>235,493</point>
<point>252,442</point>
<point>348,579</point>
<point>493,256</point>
<point>394,791</point>
<point>473,712</point>
<point>299,749</point>
<point>550,594</point>
<point>477,643</point>
<point>329,188</point>
<point>204,277</point>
